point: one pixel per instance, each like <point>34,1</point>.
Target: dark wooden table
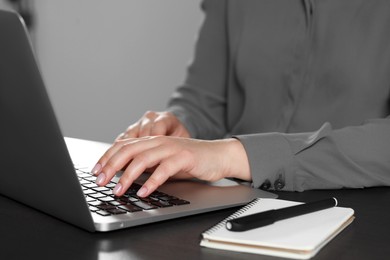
<point>28,234</point>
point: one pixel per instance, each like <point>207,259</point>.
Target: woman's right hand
<point>155,123</point>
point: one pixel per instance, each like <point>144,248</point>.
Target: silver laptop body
<point>38,163</point>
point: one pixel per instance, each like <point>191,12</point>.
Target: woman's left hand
<point>170,157</point>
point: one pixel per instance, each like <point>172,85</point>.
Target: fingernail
<point>142,192</point>
<point>96,169</point>
<point>117,189</point>
<point>101,179</point>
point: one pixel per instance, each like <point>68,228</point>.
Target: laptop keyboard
<point>102,201</point>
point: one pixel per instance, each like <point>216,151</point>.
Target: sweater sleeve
<point>351,157</point>
<point>200,103</point>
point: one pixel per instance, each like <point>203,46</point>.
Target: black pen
<point>269,217</point>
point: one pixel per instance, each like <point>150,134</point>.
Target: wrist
<point>236,160</point>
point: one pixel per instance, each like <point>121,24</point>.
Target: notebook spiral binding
<point>234,215</point>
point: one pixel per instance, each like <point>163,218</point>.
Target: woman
<point>287,94</point>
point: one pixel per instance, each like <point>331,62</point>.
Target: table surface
<point>27,233</point>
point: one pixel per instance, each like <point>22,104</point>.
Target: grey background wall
<point>106,62</point>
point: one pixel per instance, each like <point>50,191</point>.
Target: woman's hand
<point>155,123</point>
<point>170,157</point>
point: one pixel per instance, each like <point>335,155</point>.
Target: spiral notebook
<point>299,237</point>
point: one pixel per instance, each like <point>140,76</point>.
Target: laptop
<point>44,170</point>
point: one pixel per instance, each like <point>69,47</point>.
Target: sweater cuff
<point>269,156</point>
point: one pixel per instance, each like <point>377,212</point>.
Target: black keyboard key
<point>100,189</point>
<point>135,186</point>
<point>157,193</point>
<point>96,195</point>
<point>131,192</point>
<point>155,196</point>
<point>92,208</point>
<point>103,213</point>
<point>117,203</point>
<point>111,185</point>
<point>117,211</point>
<point>133,189</point>
<point>88,191</point>
<point>106,207</point>
<point>90,178</point>
<point>83,175</point>
<point>166,197</point>
<point>130,208</point>
<point>106,199</point>
<point>144,205</point>
<point>89,199</point>
<point>162,204</point>
<point>133,199</point>
<point>84,181</point>
<point>149,200</point>
<point>96,203</point>
<point>90,185</point>
<point>108,193</point>
<point>128,199</point>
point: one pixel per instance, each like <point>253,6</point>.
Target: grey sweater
<point>303,84</point>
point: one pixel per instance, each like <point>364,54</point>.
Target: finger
<point>121,136</point>
<point>141,162</point>
<point>160,126</point>
<point>120,158</point>
<point>97,169</point>
<point>131,132</point>
<point>166,169</point>
<point>175,127</point>
<point>145,127</point>
<point>114,149</point>
<point>106,156</point>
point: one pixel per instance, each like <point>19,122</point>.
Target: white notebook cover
<point>300,237</point>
